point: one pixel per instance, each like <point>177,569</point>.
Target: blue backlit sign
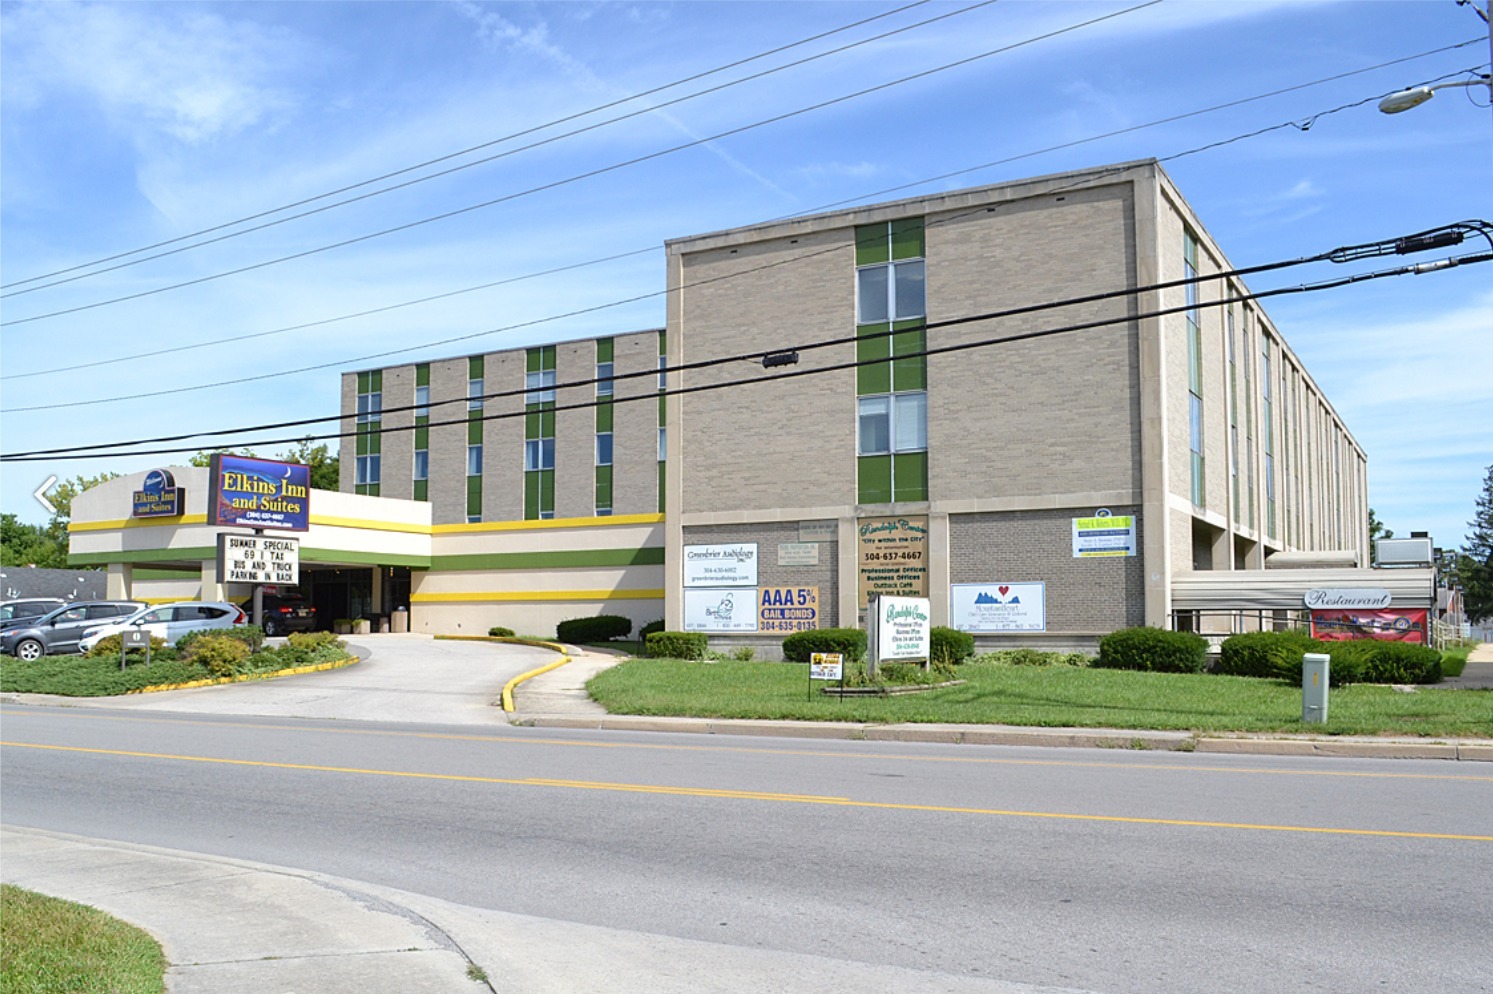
<point>259,493</point>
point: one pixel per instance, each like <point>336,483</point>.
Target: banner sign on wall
<point>158,496</point>
<point>999,607</point>
<point>787,609</point>
<point>903,625</point>
<point>720,565</point>
<point>258,493</point>
<point>722,610</point>
<point>1105,535</point>
<point>259,559</point>
<point>893,557</point>
<point>1387,626</point>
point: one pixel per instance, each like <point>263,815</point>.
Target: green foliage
<point>22,544</point>
<point>250,635</point>
<point>900,675</point>
<point>1402,662</point>
<point>499,632</point>
<point>1153,650</point>
<point>1475,564</point>
<point>1265,654</point>
<point>743,654</point>
<point>217,653</point>
<point>677,645</point>
<point>950,645</point>
<point>650,628</point>
<point>1454,661</point>
<point>311,641</point>
<point>600,628</point>
<point>1032,657</point>
<point>110,645</point>
<point>849,642</point>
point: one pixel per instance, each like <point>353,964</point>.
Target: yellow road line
<point>756,750</point>
<point>761,796</point>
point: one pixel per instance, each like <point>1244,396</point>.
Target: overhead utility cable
<point>1412,269</point>
<point>555,184</point>
<point>477,148</point>
<point>238,339</point>
<point>1441,237</point>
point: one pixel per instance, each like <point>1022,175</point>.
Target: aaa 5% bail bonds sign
<point>258,559</point>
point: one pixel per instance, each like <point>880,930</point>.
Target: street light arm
<point>1417,95</point>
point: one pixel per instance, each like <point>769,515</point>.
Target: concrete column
<point>377,590</point>
<point>938,566</point>
<point>850,572</point>
<point>1155,514</point>
<point>212,588</point>
<point>120,580</point>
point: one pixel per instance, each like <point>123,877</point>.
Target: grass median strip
<point>54,945</point>
<point>1050,696</point>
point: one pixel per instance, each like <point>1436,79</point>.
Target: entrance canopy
<point>1285,589</point>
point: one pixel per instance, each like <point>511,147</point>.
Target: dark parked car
<point>60,630</point>
<point>15,612</point>
<point>286,613</point>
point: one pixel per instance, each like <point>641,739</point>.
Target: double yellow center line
<point>751,795</point>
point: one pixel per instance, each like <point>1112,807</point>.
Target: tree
<point>325,471</point>
<point>1476,564</point>
<point>22,544</point>
<point>1377,529</point>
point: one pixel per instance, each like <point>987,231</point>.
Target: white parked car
<point>170,621</point>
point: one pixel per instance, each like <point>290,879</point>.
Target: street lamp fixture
<point>1415,96</point>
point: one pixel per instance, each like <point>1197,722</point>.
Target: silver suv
<point>59,631</point>
<point>13,613</point>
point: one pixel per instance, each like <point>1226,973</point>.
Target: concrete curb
<point>1081,738</point>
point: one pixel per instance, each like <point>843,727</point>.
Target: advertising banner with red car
<point>1387,625</point>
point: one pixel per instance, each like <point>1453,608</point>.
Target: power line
<point>845,366</point>
<point>495,141</point>
<point>590,173</point>
<point>1420,241</point>
<point>237,339</point>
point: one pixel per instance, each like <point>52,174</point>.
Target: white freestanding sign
<point>902,627</point>
<point>259,559</point>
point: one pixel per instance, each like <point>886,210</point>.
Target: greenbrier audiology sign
<point>258,493</point>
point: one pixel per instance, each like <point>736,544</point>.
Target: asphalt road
<point>1101,871</point>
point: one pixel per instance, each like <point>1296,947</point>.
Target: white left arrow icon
<point>41,494</point>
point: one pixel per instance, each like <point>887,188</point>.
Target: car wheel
<point>30,650</point>
<point>270,628</point>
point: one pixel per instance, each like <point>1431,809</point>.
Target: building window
<point>1194,369</point>
<point>663,443</point>
<point>604,449</point>
<point>422,464</point>
<point>539,433</point>
<point>1233,412</point>
<point>370,397</point>
<point>474,460</point>
<point>422,401</point>
<point>604,385</point>
<point>605,356</point>
<point>539,453</point>
<point>367,471</point>
<point>421,476</point>
<point>1247,354</point>
<point>1267,415</point>
<point>369,442</point>
<point>892,409</point>
<point>474,394</point>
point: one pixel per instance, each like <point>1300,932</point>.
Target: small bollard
<point>1314,667</point>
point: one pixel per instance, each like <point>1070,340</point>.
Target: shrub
<point>850,642</point>
<point>499,632</point>
<point>743,654</point>
<point>250,635</point>
<point>600,628</point>
<point>1402,662</point>
<point>311,641</point>
<point>677,645</point>
<point>1153,650</point>
<point>950,644</point>
<point>217,653</point>
<point>1033,657</point>
<point>1266,654</point>
<point>110,645</point>
<point>650,628</point>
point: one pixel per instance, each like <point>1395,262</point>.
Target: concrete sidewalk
<point>234,927</point>
<point>558,699</point>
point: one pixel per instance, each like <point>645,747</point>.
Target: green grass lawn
<point>1054,696</point>
<point>58,947</point>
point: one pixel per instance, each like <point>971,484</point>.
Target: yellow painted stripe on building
<point>523,596</point>
<point>373,526</point>
<point>519,526</point>
<point>105,526</point>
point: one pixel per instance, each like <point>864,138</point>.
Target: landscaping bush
<point>950,644</point>
<point>250,635</point>
<point>601,628</point>
<point>1153,650</point>
<point>650,628</point>
<point>311,641</point>
<point>850,642</point>
<point>1266,654</point>
<point>677,645</point>
<point>499,632</point>
<point>110,645</point>
<point>1401,662</point>
<point>1032,657</point>
<point>217,653</point>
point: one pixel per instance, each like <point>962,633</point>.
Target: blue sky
<point>124,125</point>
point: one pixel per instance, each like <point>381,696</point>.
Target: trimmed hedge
<point>950,645</point>
<point>217,653</point>
<point>677,645</point>
<point>601,628</point>
<point>850,642</point>
<point>1403,662</point>
<point>499,632</point>
<point>1277,655</point>
<point>1265,654</point>
<point>250,635</point>
<point>650,628</point>
<point>1153,650</point>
